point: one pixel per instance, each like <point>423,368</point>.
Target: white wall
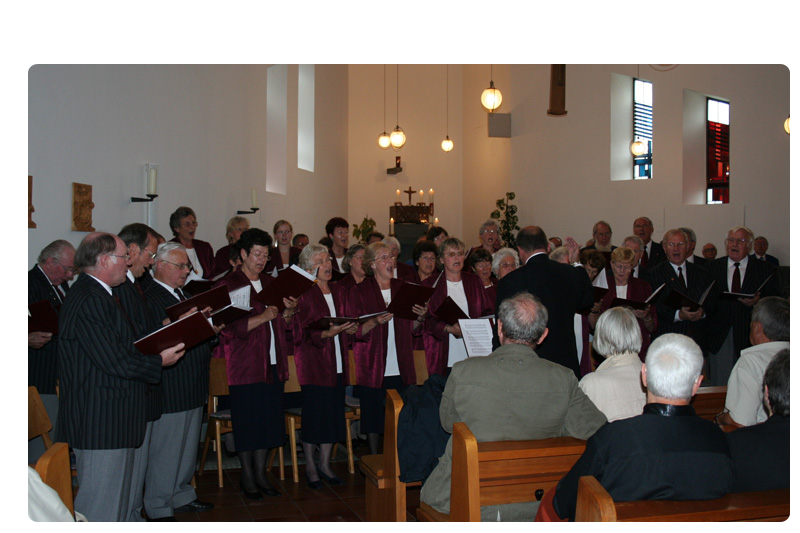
<point>204,125</point>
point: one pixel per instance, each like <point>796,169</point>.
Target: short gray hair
<point>501,254</point>
<point>389,240</point>
<point>559,253</point>
<point>489,222</point>
<point>55,250</point>
<point>772,313</point>
<point>636,239</point>
<point>524,318</point>
<point>166,248</point>
<point>673,363</point>
<point>690,234</point>
<point>308,253</point>
<point>616,332</point>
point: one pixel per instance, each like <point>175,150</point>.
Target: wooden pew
<point>596,505</point>
<point>709,401</point>
<point>385,493</point>
<point>494,473</point>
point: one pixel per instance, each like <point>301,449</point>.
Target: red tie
<point>736,283</point>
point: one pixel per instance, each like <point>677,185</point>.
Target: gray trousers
<point>105,478</point>
<point>172,461</point>
<point>140,458</point>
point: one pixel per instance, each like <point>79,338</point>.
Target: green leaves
<point>506,214</point>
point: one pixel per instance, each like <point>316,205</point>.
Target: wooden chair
<point>385,494</point>
<point>709,401</point>
<point>294,421</point>
<point>39,424</point>
<point>595,504</point>
<point>500,472</point>
<point>53,468</point>
<point>420,366</point>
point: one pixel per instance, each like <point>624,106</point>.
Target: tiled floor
<point>297,503</point>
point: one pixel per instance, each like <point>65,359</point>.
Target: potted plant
<point>506,215</point>
<point>366,227</point>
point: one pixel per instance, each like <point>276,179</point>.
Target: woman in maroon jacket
<point>183,223</point>
<point>283,254</point>
<point>255,357</point>
<point>622,285</point>
<point>443,344</point>
<point>321,358</point>
<point>382,346</point>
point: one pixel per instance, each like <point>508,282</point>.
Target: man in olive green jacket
<point>511,394</point>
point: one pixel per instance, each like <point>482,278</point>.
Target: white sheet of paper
<point>241,297</point>
<point>477,336</point>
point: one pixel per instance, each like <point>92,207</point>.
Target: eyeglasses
<point>384,258</point>
<point>189,224</point>
<point>181,266</point>
<point>127,257</point>
<point>731,240</point>
<point>424,258</point>
<point>71,269</point>
<point>453,255</point>
<point>506,265</point>
<point>676,244</point>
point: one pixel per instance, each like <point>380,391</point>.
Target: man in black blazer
<point>729,324</point>
<point>760,246</point>
<point>652,253</point>
<point>684,277</point>
<point>563,289</point>
<point>47,281</point>
<point>103,380</point>
<point>176,434</point>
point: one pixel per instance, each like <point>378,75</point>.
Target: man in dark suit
<point>691,245</point>
<point>47,281</point>
<point>103,380</point>
<point>729,324</point>
<point>563,289</point>
<point>681,276</point>
<point>175,435</point>
<point>652,252</point>
<point>760,246</point>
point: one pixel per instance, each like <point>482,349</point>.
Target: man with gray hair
<point>769,334</point>
<point>691,244</point>
<point>511,394</point>
<point>47,281</point>
<point>103,380</point>
<point>667,452</point>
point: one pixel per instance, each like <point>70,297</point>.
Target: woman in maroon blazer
<point>183,223</point>
<point>283,254</point>
<point>255,357</point>
<point>321,357</point>
<point>382,346</point>
<point>443,344</point>
<point>622,285</point>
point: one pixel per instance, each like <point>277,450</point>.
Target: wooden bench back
<point>596,505</point>
<point>709,401</point>
<point>494,473</point>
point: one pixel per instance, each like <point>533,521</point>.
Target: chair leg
<point>280,458</point>
<point>350,465</point>
<point>293,445</point>
<point>217,425</point>
<point>205,450</point>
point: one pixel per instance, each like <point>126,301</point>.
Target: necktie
<point>644,259</point>
<point>681,278</point>
<point>736,283</point>
<point>181,297</point>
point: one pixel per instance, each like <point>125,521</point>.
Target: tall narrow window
<point>718,167</point>
<point>643,128</point>
<point>276,128</point>
<point>305,117</point>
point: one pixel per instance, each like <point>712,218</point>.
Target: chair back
<point>218,377</point>
<point>39,423</point>
<point>352,368</point>
<point>420,366</point>
<point>53,468</point>
<point>292,384</point>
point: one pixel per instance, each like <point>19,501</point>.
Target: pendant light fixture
<point>447,144</point>
<point>491,97</point>
<point>383,138</point>
<point>786,124</point>
<point>398,137</point>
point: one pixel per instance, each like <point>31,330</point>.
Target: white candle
<point>391,226</point>
<point>254,198</point>
<point>152,175</point>
<point>435,221</point>
<point>398,195</point>
<point>430,193</point>
<point>421,195</point>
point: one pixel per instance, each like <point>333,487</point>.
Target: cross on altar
<point>409,192</point>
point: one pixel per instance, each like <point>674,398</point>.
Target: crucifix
<point>409,192</point>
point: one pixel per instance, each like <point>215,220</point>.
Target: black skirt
<point>373,403</point>
<point>323,414</point>
<point>257,415</point>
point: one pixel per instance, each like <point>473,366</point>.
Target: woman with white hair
<point>504,261</point>
<point>616,386</point>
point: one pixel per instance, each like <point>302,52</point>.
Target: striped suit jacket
<point>103,378</point>
<point>43,362</point>
<point>184,385</point>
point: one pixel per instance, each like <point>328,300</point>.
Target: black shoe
<point>316,485</point>
<point>251,495</point>
<point>330,480</point>
<point>196,506</point>
<point>267,490</point>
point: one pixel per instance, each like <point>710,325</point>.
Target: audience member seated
<point>616,386</point>
<point>511,394</point>
<point>769,334</point>
<point>761,452</point>
<point>666,453</point>
<point>505,260</point>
